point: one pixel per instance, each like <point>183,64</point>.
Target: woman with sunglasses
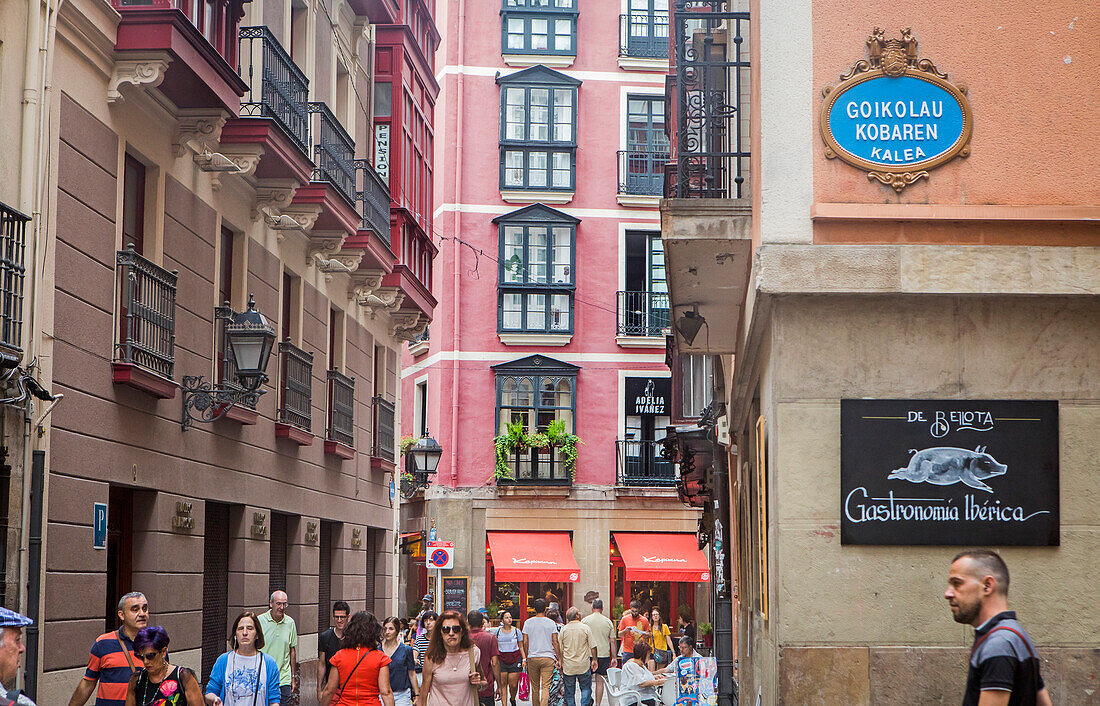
<point>360,674</point>
<point>451,676</point>
<point>244,676</point>
<point>159,683</point>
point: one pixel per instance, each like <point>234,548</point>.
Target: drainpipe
<point>457,219</point>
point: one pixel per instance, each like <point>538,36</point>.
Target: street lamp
<point>250,336</point>
<point>421,462</point>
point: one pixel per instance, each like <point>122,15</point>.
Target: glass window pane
<point>512,319</point>
<point>536,170</point>
<point>513,254</point>
<point>513,168</point>
<point>536,254</point>
<point>523,395</point>
<point>563,171</point>
<point>559,312</point>
<point>540,114</point>
<point>536,312</point>
<point>538,33</point>
<point>563,35</point>
<point>562,252</point>
<point>515,114</point>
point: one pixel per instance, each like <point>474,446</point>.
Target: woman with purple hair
<point>160,683</point>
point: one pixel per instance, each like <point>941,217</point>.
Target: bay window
<point>536,275</point>
<point>539,27</point>
<point>538,130</point>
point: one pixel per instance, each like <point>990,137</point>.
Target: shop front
<point>523,566</point>
<point>658,569</point>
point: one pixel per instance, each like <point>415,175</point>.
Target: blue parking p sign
<point>99,525</point>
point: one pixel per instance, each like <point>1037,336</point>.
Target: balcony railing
<point>333,151</point>
<point>277,88</point>
<point>341,408</point>
<point>374,200</point>
<point>642,172</point>
<point>640,463</point>
<point>13,226</point>
<point>147,314</point>
<point>643,314</point>
<point>384,430</point>
<point>712,63</point>
<point>296,386</point>
<point>538,467</point>
<point>644,35</point>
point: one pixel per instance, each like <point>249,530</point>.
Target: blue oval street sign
<point>891,122</point>
<point>896,115</point>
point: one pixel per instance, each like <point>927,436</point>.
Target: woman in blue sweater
<point>244,676</point>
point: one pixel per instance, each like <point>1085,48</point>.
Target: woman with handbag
<point>512,658</point>
<point>360,674</point>
<point>451,676</point>
<point>661,639</point>
<point>244,676</point>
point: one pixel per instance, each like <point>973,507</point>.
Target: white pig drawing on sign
<point>946,465</point>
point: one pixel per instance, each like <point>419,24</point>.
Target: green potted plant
<point>512,440</point>
<point>707,631</point>
<point>492,610</point>
<point>560,437</point>
<point>617,610</point>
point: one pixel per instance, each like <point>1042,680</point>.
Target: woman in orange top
<point>360,675</point>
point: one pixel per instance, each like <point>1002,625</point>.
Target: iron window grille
<point>13,225</point>
<point>538,130</point>
<point>534,392</point>
<point>296,387</point>
<point>277,88</point>
<point>341,408</point>
<point>147,314</point>
<point>643,34</point>
<point>384,429</point>
<point>712,64</point>
<point>641,172</point>
<point>373,198</point>
<point>640,463</point>
<point>333,151</point>
<point>642,314</point>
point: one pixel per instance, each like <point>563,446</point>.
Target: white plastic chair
<point>615,696</point>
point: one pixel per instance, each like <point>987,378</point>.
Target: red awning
<point>533,556</point>
<point>662,557</point>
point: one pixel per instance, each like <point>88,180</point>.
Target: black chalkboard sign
<point>949,472</point>
<point>456,593</point>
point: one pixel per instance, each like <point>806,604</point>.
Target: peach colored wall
<point>471,395</point>
<point>1031,69</point>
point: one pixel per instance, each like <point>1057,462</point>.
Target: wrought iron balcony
<point>12,239</point>
<point>341,409</point>
<point>333,151</point>
<point>712,65</point>
<point>538,467</point>
<point>642,172</point>
<point>644,35</point>
<point>277,88</point>
<point>373,197</point>
<point>295,387</point>
<point>639,463</point>
<point>643,314</point>
<point>384,430</point>
<point>147,314</point>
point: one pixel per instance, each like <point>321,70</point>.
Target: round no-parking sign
<point>440,555</point>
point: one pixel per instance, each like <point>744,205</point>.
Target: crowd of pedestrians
<point>453,660</point>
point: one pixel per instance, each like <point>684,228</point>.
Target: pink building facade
<point>550,149</point>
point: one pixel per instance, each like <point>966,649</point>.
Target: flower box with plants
<point>517,439</point>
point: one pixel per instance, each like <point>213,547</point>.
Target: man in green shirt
<point>281,642</point>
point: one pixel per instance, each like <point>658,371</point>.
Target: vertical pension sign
<point>895,114</point>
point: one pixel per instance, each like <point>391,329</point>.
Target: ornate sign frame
<point>894,58</point>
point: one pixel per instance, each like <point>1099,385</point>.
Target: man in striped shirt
<point>112,657</point>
